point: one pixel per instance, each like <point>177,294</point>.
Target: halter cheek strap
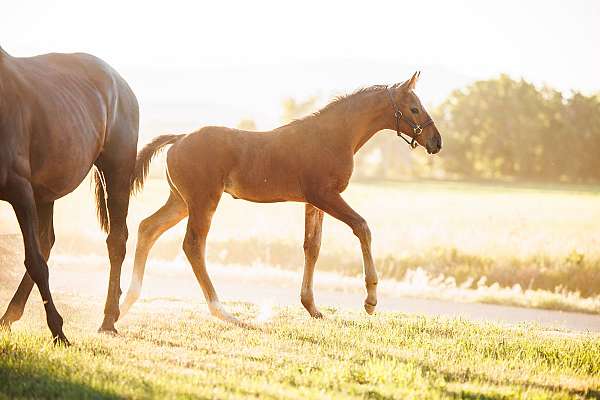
<point>417,128</point>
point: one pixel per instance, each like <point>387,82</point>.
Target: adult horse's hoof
<point>4,325</point>
<point>317,315</point>
<point>369,308</point>
<point>61,340</point>
<point>109,330</point>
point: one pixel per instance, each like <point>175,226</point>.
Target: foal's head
<point>409,117</point>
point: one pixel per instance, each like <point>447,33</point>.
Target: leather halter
<point>416,127</point>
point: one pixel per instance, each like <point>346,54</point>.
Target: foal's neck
<point>364,115</point>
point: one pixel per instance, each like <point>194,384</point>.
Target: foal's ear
<point>408,84</point>
<point>412,82</point>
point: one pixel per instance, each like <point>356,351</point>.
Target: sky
<point>193,63</point>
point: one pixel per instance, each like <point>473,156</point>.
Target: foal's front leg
<point>313,223</point>
<point>333,204</point>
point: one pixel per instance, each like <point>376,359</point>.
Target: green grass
<point>168,350</point>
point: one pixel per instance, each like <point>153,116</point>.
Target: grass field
<point>171,350</point>
<point>532,246</point>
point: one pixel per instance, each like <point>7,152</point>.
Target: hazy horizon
<point>194,64</point>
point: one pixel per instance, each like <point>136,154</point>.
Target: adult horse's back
<point>61,114</point>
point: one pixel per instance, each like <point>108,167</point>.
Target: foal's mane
<point>339,101</point>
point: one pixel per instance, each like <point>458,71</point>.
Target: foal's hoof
<point>61,341</point>
<point>369,308</point>
<point>317,315</point>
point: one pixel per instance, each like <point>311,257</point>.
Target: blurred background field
<point>503,241</point>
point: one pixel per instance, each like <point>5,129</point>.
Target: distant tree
<point>505,128</point>
<point>293,109</point>
<point>247,124</point>
<point>580,138</point>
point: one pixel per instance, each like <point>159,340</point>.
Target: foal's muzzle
<point>434,144</point>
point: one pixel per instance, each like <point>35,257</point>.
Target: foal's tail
<point>145,155</point>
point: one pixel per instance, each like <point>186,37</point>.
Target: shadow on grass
<point>453,377</point>
<point>24,375</point>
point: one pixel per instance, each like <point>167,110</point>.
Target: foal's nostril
<point>434,144</point>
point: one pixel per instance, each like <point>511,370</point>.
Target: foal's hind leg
<point>201,210</point>
<point>46,238</point>
<point>149,231</point>
<point>313,223</point>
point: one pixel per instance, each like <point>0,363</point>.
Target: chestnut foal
<point>309,161</point>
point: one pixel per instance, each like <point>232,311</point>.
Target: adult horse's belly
<point>60,172</point>
<point>62,155</point>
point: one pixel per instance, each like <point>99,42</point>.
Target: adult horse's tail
<point>145,156</point>
<point>101,199</point>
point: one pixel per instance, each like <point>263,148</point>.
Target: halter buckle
<point>418,129</point>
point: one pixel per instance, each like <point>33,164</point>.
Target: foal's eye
<point>414,110</point>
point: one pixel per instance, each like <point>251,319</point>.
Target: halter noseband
<point>417,128</point>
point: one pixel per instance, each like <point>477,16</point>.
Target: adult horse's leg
<point>116,164</point>
<point>16,306</point>
<point>333,204</point>
<point>201,210</point>
<point>23,202</point>
<point>173,211</point>
<point>313,223</point>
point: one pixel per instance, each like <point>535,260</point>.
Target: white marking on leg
<point>265,313</point>
<point>216,309</point>
<point>135,286</point>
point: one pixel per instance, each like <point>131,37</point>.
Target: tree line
<point>505,128</point>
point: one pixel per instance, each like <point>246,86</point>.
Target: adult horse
<point>61,114</point>
<point>309,160</point>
